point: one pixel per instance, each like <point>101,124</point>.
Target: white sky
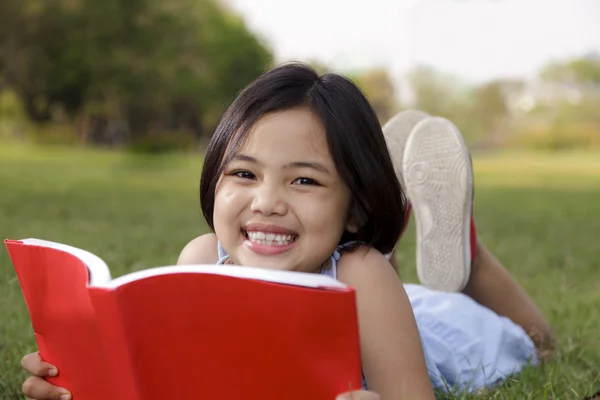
<point>476,39</point>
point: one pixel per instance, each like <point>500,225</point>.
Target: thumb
<point>37,388</point>
<point>359,395</point>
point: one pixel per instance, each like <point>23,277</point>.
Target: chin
<point>270,264</point>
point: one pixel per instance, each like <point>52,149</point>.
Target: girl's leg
<point>439,181</point>
<point>492,286</point>
<point>392,256</point>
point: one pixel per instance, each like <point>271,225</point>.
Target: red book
<point>188,332</point>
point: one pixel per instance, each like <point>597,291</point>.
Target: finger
<point>33,363</point>
<point>359,395</point>
<point>37,388</point>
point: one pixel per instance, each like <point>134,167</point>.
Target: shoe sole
<point>439,182</point>
<point>396,132</point>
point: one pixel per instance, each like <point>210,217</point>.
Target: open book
<point>198,331</point>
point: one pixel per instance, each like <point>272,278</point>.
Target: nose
<point>268,200</point>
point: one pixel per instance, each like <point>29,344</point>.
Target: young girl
<point>298,177</point>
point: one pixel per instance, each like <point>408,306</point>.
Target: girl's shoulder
<point>201,250</point>
<point>364,265</point>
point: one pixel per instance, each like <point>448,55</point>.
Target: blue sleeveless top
<point>328,268</point>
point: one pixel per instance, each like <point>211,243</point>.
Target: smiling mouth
<point>269,238</point>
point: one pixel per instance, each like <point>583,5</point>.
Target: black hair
<point>354,137</point>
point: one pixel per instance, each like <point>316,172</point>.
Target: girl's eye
<point>244,174</point>
<point>305,181</point>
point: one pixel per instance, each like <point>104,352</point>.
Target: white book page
<point>268,275</point>
<point>99,272</point>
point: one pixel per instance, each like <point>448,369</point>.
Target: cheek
<point>228,203</point>
<point>324,212</point>
<point>227,195</point>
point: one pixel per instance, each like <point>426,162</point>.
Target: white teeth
<point>269,239</point>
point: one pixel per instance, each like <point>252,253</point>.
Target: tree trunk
<point>33,112</point>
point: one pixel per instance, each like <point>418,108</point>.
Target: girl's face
<point>280,202</point>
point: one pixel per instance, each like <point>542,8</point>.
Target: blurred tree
<point>445,96</point>
<point>564,104</point>
<point>491,110</point>
<point>433,91</point>
<point>141,65</point>
<point>379,89</point>
<point>319,66</point>
<point>583,71</point>
<point>572,90</point>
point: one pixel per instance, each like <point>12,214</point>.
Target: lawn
<point>540,215</point>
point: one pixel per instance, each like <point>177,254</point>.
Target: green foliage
<point>378,87</point>
<point>13,120</point>
<point>446,96</point>
<point>562,112</point>
<point>556,137</point>
<point>319,66</point>
<point>163,142</point>
<point>54,134</point>
<point>584,71</point>
<point>566,115</point>
<point>130,73</point>
<point>153,65</point>
<point>438,93</point>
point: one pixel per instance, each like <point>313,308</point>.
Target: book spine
<point>114,343</point>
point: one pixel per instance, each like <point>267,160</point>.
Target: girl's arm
<point>392,355</point>
<point>201,250</point>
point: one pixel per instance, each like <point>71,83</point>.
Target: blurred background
<point>106,107</point>
<point>155,76</point>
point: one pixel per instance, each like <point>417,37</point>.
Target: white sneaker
<point>396,132</point>
<point>439,183</point>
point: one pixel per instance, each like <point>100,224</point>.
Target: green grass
<point>540,215</point>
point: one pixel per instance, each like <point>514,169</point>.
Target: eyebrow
<point>294,164</point>
<point>308,164</point>
<point>243,157</point>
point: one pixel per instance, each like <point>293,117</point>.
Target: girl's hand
<point>359,395</point>
<point>36,387</point>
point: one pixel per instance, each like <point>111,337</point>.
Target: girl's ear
<point>351,225</point>
<point>357,218</point>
